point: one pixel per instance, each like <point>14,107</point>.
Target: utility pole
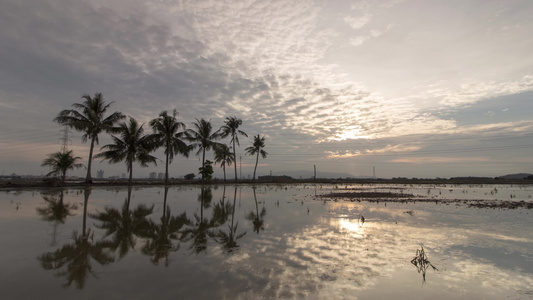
<point>65,139</point>
<point>240,167</point>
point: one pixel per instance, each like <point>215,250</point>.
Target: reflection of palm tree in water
<point>124,225</point>
<point>229,240</point>
<point>200,227</point>
<point>221,210</point>
<point>160,236</point>
<point>55,212</point>
<point>74,260</point>
<point>257,217</point>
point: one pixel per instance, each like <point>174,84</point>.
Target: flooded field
<point>269,242</point>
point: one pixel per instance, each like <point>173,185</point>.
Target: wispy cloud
<point>439,160</point>
<point>385,150</point>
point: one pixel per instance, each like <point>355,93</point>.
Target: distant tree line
<point>132,145</point>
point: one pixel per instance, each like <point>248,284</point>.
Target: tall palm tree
<point>256,149</point>
<point>91,120</point>
<point>131,145</point>
<point>61,162</point>
<point>231,127</point>
<point>168,135</point>
<point>202,137</point>
<point>224,157</point>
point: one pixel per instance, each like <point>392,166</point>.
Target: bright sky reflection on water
<point>269,243</point>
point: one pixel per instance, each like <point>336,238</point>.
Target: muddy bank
<point>377,197</point>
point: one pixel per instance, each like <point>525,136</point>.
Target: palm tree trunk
<point>166,171</point>
<point>235,158</point>
<point>130,180</point>
<point>256,161</point>
<point>224,169</point>
<point>88,178</point>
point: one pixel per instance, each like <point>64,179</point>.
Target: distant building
<point>100,174</point>
<point>153,175</point>
<point>160,175</point>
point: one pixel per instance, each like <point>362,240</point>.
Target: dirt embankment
<point>410,198</point>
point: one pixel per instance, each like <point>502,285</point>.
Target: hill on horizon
<point>515,176</point>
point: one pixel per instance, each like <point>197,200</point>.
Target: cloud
<point>439,160</point>
<point>357,41</point>
<point>385,150</point>
<point>358,22</point>
<point>291,70</point>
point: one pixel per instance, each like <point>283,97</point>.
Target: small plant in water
<point>421,262</point>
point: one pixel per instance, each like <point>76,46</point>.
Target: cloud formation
<point>289,69</point>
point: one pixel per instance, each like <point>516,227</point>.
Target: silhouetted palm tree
<point>231,128</point>
<point>74,260</point>
<point>124,225</point>
<point>91,120</point>
<point>168,135</point>
<point>256,149</point>
<point>202,137</point>
<point>61,162</point>
<point>131,146</point>
<point>160,237</point>
<point>257,217</point>
<point>224,157</point>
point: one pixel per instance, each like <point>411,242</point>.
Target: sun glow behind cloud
<point>386,150</point>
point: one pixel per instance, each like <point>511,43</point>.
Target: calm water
<point>263,243</point>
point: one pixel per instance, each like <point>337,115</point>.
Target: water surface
<point>271,241</point>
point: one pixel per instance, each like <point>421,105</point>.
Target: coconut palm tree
<point>231,128</point>
<point>61,162</point>
<point>91,120</point>
<point>224,157</point>
<point>256,149</point>
<point>168,135</point>
<point>130,146</point>
<point>202,137</point>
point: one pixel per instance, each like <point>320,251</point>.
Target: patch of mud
<point>410,198</point>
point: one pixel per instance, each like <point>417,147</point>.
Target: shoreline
<point>21,184</point>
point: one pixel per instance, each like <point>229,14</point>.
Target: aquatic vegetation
<point>421,262</point>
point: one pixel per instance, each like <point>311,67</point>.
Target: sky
<point>413,88</point>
